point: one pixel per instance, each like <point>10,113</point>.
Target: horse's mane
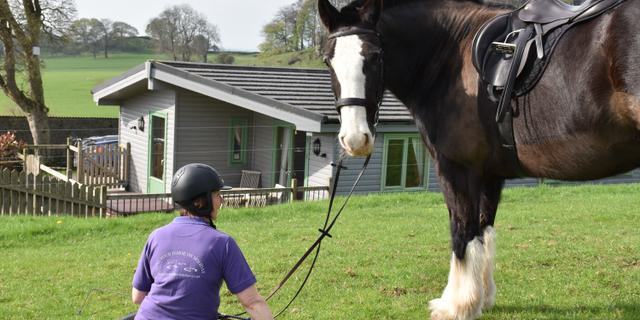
<point>351,8</point>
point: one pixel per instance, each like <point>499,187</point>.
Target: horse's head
<point>354,56</point>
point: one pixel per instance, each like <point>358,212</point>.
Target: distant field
<point>68,80</point>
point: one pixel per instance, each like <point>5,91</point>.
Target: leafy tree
<point>183,32</point>
<point>22,25</point>
<point>86,33</point>
<point>225,58</point>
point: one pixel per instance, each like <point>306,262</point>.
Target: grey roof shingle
<point>309,89</point>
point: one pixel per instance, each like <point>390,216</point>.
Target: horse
<point>580,122</point>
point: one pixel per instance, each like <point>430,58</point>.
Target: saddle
<point>503,53</point>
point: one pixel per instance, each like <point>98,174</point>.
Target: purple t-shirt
<point>182,267</point>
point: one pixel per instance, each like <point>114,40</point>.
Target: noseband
<point>341,102</point>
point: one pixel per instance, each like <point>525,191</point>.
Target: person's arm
<point>255,305</point>
<point>137,296</point>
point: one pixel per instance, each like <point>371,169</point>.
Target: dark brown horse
<point>580,122</point>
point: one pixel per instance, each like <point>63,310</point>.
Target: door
<point>299,159</point>
<point>282,156</point>
<point>157,153</point>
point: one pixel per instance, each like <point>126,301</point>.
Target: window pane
<point>394,163</point>
<point>157,147</point>
<point>237,142</point>
<point>415,163</point>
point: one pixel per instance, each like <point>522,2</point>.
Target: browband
<point>352,31</point>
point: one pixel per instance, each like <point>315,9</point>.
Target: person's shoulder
<point>157,232</point>
<point>220,235</point>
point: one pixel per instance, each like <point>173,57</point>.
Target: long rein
<point>324,232</point>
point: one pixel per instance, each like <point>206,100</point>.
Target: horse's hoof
<point>489,297</point>
<point>443,310</point>
<point>439,310</point>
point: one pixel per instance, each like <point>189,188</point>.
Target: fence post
<point>127,158</point>
<point>103,201</point>
<point>24,160</point>
<point>294,190</point>
<point>69,160</point>
<point>80,163</point>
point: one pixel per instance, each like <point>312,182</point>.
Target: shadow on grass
<point>616,311</point>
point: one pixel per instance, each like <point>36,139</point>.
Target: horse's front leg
<point>489,199</point>
<point>464,295</point>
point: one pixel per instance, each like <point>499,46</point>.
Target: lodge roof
<point>303,88</point>
<point>302,92</point>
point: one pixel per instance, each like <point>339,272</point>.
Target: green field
<point>568,252</point>
<point>68,80</point>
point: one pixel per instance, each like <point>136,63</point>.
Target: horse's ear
<point>328,14</point>
<point>370,11</point>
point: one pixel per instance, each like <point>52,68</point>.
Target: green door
<point>157,153</point>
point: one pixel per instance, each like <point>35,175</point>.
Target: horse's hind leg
<point>463,297</point>
<point>489,198</point>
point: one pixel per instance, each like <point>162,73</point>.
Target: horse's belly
<point>581,157</point>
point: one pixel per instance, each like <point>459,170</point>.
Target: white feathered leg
<point>462,299</point>
<point>489,265</point>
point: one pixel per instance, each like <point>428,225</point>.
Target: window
<point>158,132</point>
<point>404,162</point>
<point>239,138</point>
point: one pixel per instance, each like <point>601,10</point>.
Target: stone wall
<point>61,128</point>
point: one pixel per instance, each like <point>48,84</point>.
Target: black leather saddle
<point>494,45</point>
<point>509,66</point>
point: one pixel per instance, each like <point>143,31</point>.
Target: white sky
<point>239,22</point>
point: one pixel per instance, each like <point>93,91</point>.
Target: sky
<point>239,22</point>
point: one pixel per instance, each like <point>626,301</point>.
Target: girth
<point>512,51</point>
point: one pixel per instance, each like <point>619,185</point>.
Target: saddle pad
<point>532,72</point>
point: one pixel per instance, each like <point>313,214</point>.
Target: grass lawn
<point>568,252</point>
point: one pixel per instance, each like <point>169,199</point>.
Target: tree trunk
<point>39,126</point>
<point>106,48</point>
<point>30,100</point>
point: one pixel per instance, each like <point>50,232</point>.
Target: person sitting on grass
<point>183,264</point>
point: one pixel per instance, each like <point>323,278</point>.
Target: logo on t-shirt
<point>180,264</point>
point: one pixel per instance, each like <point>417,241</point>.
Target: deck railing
<point>127,204</point>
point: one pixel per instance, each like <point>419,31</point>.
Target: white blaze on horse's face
<point>347,63</point>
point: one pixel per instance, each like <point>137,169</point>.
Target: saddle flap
<point>495,29</point>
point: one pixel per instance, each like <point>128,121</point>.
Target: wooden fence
<point>39,195</point>
<point>105,165</point>
<point>96,165</point>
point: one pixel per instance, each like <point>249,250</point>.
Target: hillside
<point>68,80</point>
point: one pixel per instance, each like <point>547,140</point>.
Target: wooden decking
<point>120,203</point>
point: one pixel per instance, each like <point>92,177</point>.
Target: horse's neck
<point>426,42</point>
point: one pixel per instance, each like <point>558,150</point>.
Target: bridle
<point>379,94</point>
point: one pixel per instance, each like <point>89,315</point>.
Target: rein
<point>324,232</point>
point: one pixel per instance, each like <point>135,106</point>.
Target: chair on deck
<point>250,179</point>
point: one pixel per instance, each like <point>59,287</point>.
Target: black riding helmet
<point>195,180</point>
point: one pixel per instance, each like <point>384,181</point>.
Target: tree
<point>183,32</point>
<point>86,33</point>
<point>22,24</point>
<point>104,27</point>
